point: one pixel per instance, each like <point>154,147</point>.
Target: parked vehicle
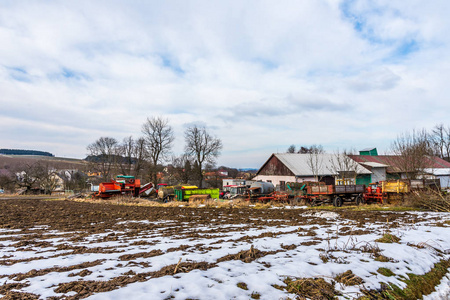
<point>234,191</point>
<point>122,185</point>
<point>316,193</point>
<point>186,193</point>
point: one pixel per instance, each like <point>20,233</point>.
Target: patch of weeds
<point>348,278</point>
<point>310,243</point>
<point>255,295</point>
<point>382,258</point>
<point>423,245</point>
<point>386,272</point>
<point>388,238</point>
<point>242,285</point>
<point>313,288</point>
<point>373,249</point>
<point>289,247</point>
<point>419,285</point>
<point>324,257</point>
<point>416,286</point>
<point>279,287</point>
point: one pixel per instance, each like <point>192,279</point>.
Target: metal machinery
<point>382,191</point>
<point>316,193</point>
<point>234,191</point>
<point>186,193</point>
<point>121,185</point>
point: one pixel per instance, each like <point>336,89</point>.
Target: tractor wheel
<point>359,200</point>
<point>337,201</point>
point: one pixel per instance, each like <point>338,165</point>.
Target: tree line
<point>145,156</point>
<point>24,152</point>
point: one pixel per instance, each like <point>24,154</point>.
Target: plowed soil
<point>56,229</point>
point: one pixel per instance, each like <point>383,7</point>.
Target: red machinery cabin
<point>122,185</point>
<point>374,193</point>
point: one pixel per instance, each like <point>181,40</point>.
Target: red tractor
<point>122,185</point>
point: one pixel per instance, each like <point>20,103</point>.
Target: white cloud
<point>262,75</point>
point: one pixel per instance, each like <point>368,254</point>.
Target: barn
<point>281,168</point>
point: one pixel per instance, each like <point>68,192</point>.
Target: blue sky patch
<point>407,48</point>
<point>69,74</point>
<point>170,63</point>
<point>267,64</point>
<point>359,21</point>
<point>19,74</point>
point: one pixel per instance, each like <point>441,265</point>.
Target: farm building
<point>236,181</point>
<point>367,167</point>
<point>386,167</point>
<point>294,167</point>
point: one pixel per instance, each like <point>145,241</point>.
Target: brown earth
<point>36,219</point>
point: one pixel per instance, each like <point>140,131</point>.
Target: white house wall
<point>378,174</point>
<point>445,181</point>
<point>303,179</point>
<point>229,181</point>
<point>275,179</point>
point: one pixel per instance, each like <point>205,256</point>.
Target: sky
<point>260,75</point>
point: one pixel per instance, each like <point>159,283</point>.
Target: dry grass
<point>388,238</point>
<point>415,201</point>
<point>242,285</point>
<point>429,199</point>
<point>348,278</point>
<point>311,288</point>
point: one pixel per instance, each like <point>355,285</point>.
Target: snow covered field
<point>216,253</point>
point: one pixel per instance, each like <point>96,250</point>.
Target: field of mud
<point>73,250</point>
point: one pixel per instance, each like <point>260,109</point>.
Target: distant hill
<point>104,158</point>
<point>24,152</point>
<point>249,170</point>
<point>16,162</point>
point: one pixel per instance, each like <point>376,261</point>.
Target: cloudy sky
<point>261,75</point>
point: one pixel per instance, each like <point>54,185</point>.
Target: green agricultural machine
<point>185,193</point>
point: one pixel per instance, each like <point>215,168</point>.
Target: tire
<point>337,201</point>
<point>334,201</point>
<point>359,200</point>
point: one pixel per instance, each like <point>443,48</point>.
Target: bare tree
<point>202,146</point>
<point>127,160</point>
<point>28,175</point>
<point>49,181</point>
<point>315,160</point>
<point>7,182</point>
<point>343,166</point>
<point>411,150</point>
<point>181,169</point>
<point>440,139</point>
<point>38,175</point>
<point>139,154</point>
<point>159,138</point>
<point>312,149</point>
<point>103,155</point>
<point>74,180</point>
<point>291,149</point>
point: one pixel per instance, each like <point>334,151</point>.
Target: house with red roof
<point>386,167</point>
